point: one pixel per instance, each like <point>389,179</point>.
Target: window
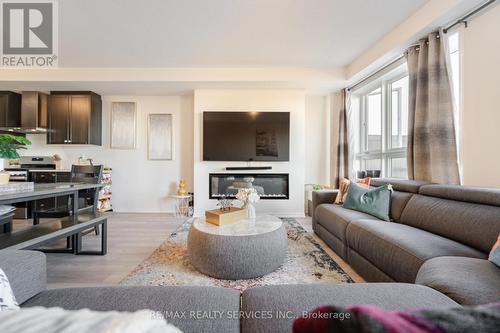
<point>454,48</point>
<point>380,116</point>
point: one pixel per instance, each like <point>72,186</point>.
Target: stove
<point>32,163</point>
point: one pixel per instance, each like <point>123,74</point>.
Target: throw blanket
<point>57,320</point>
<point>371,319</point>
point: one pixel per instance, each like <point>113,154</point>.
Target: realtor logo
<point>29,33</point>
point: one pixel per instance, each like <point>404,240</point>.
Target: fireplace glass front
<point>268,185</point>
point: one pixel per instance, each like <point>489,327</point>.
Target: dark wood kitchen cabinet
<point>10,109</point>
<point>75,118</point>
<point>43,177</point>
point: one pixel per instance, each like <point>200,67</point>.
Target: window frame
<point>387,152</point>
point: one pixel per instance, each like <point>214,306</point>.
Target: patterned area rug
<point>306,262</point>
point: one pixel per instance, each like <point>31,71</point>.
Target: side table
<point>181,205</point>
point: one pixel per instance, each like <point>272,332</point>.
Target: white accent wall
<point>481,107</point>
<point>292,101</point>
<point>318,128</point>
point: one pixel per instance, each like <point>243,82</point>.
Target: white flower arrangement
<point>248,195</point>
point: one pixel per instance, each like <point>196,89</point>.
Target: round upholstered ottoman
<point>242,250</point>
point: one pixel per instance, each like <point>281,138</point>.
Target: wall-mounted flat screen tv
<point>246,136</point>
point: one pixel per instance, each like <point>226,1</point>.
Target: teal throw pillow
<point>376,202</point>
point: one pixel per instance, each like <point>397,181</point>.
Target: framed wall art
<point>123,125</point>
<point>160,136</point>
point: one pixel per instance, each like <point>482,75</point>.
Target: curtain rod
<point>461,20</point>
<point>381,69</point>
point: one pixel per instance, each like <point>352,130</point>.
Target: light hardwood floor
<point>132,237</point>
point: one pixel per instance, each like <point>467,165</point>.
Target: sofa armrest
<point>321,197</point>
<point>26,271</point>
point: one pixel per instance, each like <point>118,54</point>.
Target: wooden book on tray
<point>223,217</point>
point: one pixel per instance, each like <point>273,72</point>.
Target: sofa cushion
<point>398,204</point>
<point>178,303</point>
<point>26,271</point>
<point>337,245</point>
<point>403,185</point>
<point>399,250</point>
<point>468,223</point>
<point>366,269</point>
<point>485,196</point>
<point>335,218</point>
<point>466,280</point>
<point>291,301</point>
<point>7,299</point>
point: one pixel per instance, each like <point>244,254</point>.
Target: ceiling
<point>142,88</point>
<point>321,34</point>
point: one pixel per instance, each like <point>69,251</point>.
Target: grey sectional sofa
<point>440,236</point>
<point>258,310</point>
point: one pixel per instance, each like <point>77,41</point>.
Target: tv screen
<point>246,136</point>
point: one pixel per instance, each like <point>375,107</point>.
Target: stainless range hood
<point>34,116</point>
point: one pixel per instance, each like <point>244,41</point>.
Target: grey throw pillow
<point>376,202</point>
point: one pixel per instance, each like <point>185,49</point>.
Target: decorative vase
<point>250,211</point>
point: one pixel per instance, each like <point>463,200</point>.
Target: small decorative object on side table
<point>182,188</point>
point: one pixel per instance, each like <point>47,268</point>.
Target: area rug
<point>306,262</point>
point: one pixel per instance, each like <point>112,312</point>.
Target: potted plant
<point>9,149</point>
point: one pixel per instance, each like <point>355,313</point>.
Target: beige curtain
<point>344,160</point>
<point>432,145</point>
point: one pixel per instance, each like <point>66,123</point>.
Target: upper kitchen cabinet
<point>75,117</point>
<point>23,113</point>
<point>10,109</point>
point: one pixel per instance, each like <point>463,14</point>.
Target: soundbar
<point>249,168</point>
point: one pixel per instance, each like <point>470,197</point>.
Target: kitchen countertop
<point>42,191</point>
